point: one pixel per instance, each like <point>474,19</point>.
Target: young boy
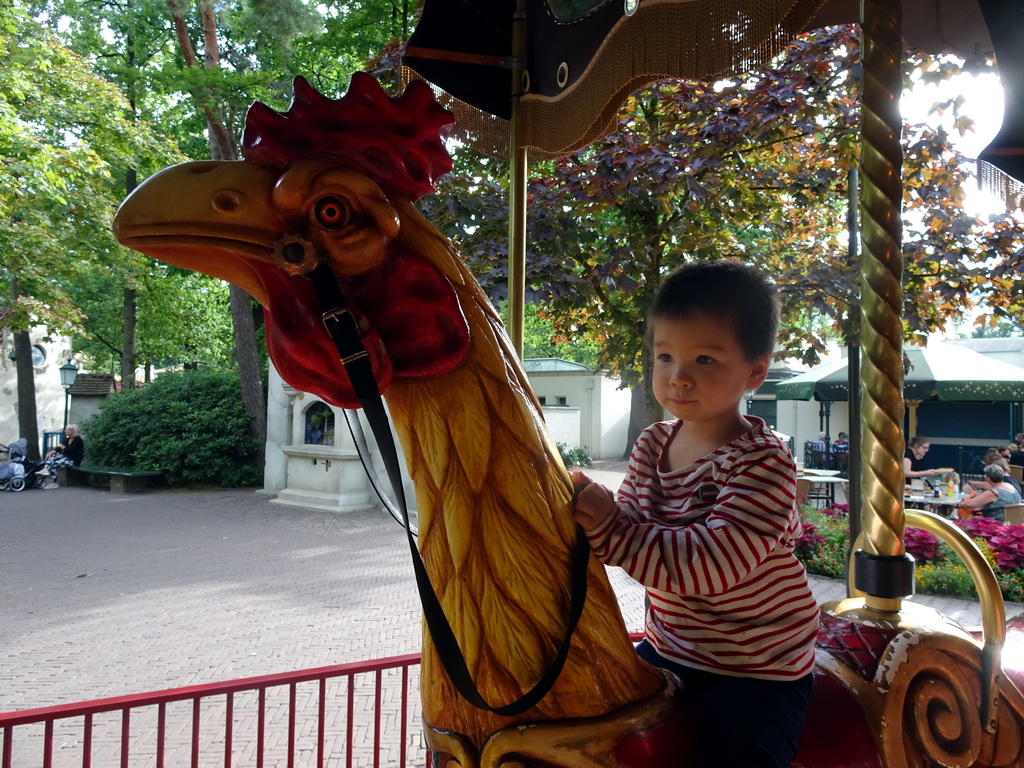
<point>706,520</point>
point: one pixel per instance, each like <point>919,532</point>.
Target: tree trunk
<point>644,408</point>
<point>636,418</point>
<point>222,147</point>
<point>128,319</point>
<point>28,421</point>
<point>249,363</point>
<point>129,316</point>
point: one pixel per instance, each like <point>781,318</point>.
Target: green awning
<point>946,371</point>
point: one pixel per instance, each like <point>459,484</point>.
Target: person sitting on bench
<point>67,454</point>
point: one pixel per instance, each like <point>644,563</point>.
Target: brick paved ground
<point>104,595</point>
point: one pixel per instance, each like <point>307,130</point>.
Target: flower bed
<point>823,547</point>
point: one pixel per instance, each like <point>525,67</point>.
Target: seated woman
<point>67,454</point>
<point>991,501</point>
<point>992,456</point>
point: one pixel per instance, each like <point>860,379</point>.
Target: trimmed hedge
<point>190,425</point>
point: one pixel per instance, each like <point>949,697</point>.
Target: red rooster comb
<point>397,141</point>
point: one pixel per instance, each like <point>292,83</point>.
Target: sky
<point>983,101</point>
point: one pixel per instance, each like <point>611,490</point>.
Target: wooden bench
<point>118,479</point>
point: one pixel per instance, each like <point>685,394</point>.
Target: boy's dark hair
<point>735,293</point>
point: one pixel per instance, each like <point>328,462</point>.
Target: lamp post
<point>68,374</point>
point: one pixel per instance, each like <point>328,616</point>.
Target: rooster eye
<point>331,212</point>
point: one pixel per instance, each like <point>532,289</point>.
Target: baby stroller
<point>19,474</point>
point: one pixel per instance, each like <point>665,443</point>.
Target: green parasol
<point>948,372</point>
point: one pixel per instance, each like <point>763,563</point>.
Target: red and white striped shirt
<point>713,543</point>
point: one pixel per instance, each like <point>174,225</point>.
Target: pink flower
<point>1006,541</point>
<point>922,545</point>
<point>1008,546</point>
<point>979,527</point>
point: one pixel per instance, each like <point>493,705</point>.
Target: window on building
<point>319,425</point>
<point>765,409</point>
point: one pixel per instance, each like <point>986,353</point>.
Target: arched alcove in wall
<point>318,424</point>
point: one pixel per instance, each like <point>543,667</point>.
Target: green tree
<point>194,68</point>
<point>183,319</point>
<point>63,135</point>
<point>123,39</point>
<point>995,329</point>
<point>244,52</point>
<point>354,31</point>
<point>541,340</point>
<point>754,169</point>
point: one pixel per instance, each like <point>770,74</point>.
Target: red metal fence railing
<point>363,714</point>
<point>345,715</point>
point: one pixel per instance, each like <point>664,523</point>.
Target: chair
<point>817,455</point>
<point>1017,472</point>
<point>820,495</point>
<point>841,461</point>
<point>1013,514</point>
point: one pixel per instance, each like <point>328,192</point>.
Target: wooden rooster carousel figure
<point>317,223</point>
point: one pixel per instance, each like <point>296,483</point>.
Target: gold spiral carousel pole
<point>919,714</point>
<point>883,570</point>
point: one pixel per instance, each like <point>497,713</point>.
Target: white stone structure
<point>582,407</point>
<point>327,475</point>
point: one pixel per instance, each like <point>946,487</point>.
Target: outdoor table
<point>942,505</point>
<point>827,478</point>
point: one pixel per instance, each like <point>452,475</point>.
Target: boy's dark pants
<point>742,722</point>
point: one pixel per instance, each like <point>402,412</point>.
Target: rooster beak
<point>212,217</point>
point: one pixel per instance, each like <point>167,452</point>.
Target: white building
<point>583,408</point>
<point>47,358</point>
<point>311,460</point>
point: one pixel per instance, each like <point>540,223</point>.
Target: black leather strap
<point>363,449</point>
<point>344,331</point>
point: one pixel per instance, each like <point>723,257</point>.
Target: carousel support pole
<point>853,363</point>
<point>517,187</point>
<point>912,417</point>
<point>826,406</point>
<point>883,569</point>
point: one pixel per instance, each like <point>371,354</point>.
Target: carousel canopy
<point>583,58</point>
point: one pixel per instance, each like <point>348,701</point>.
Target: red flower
<point>1008,546</point>
<point>1006,541</point>
<point>922,545</point>
<point>838,510</point>
<point>809,540</point>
